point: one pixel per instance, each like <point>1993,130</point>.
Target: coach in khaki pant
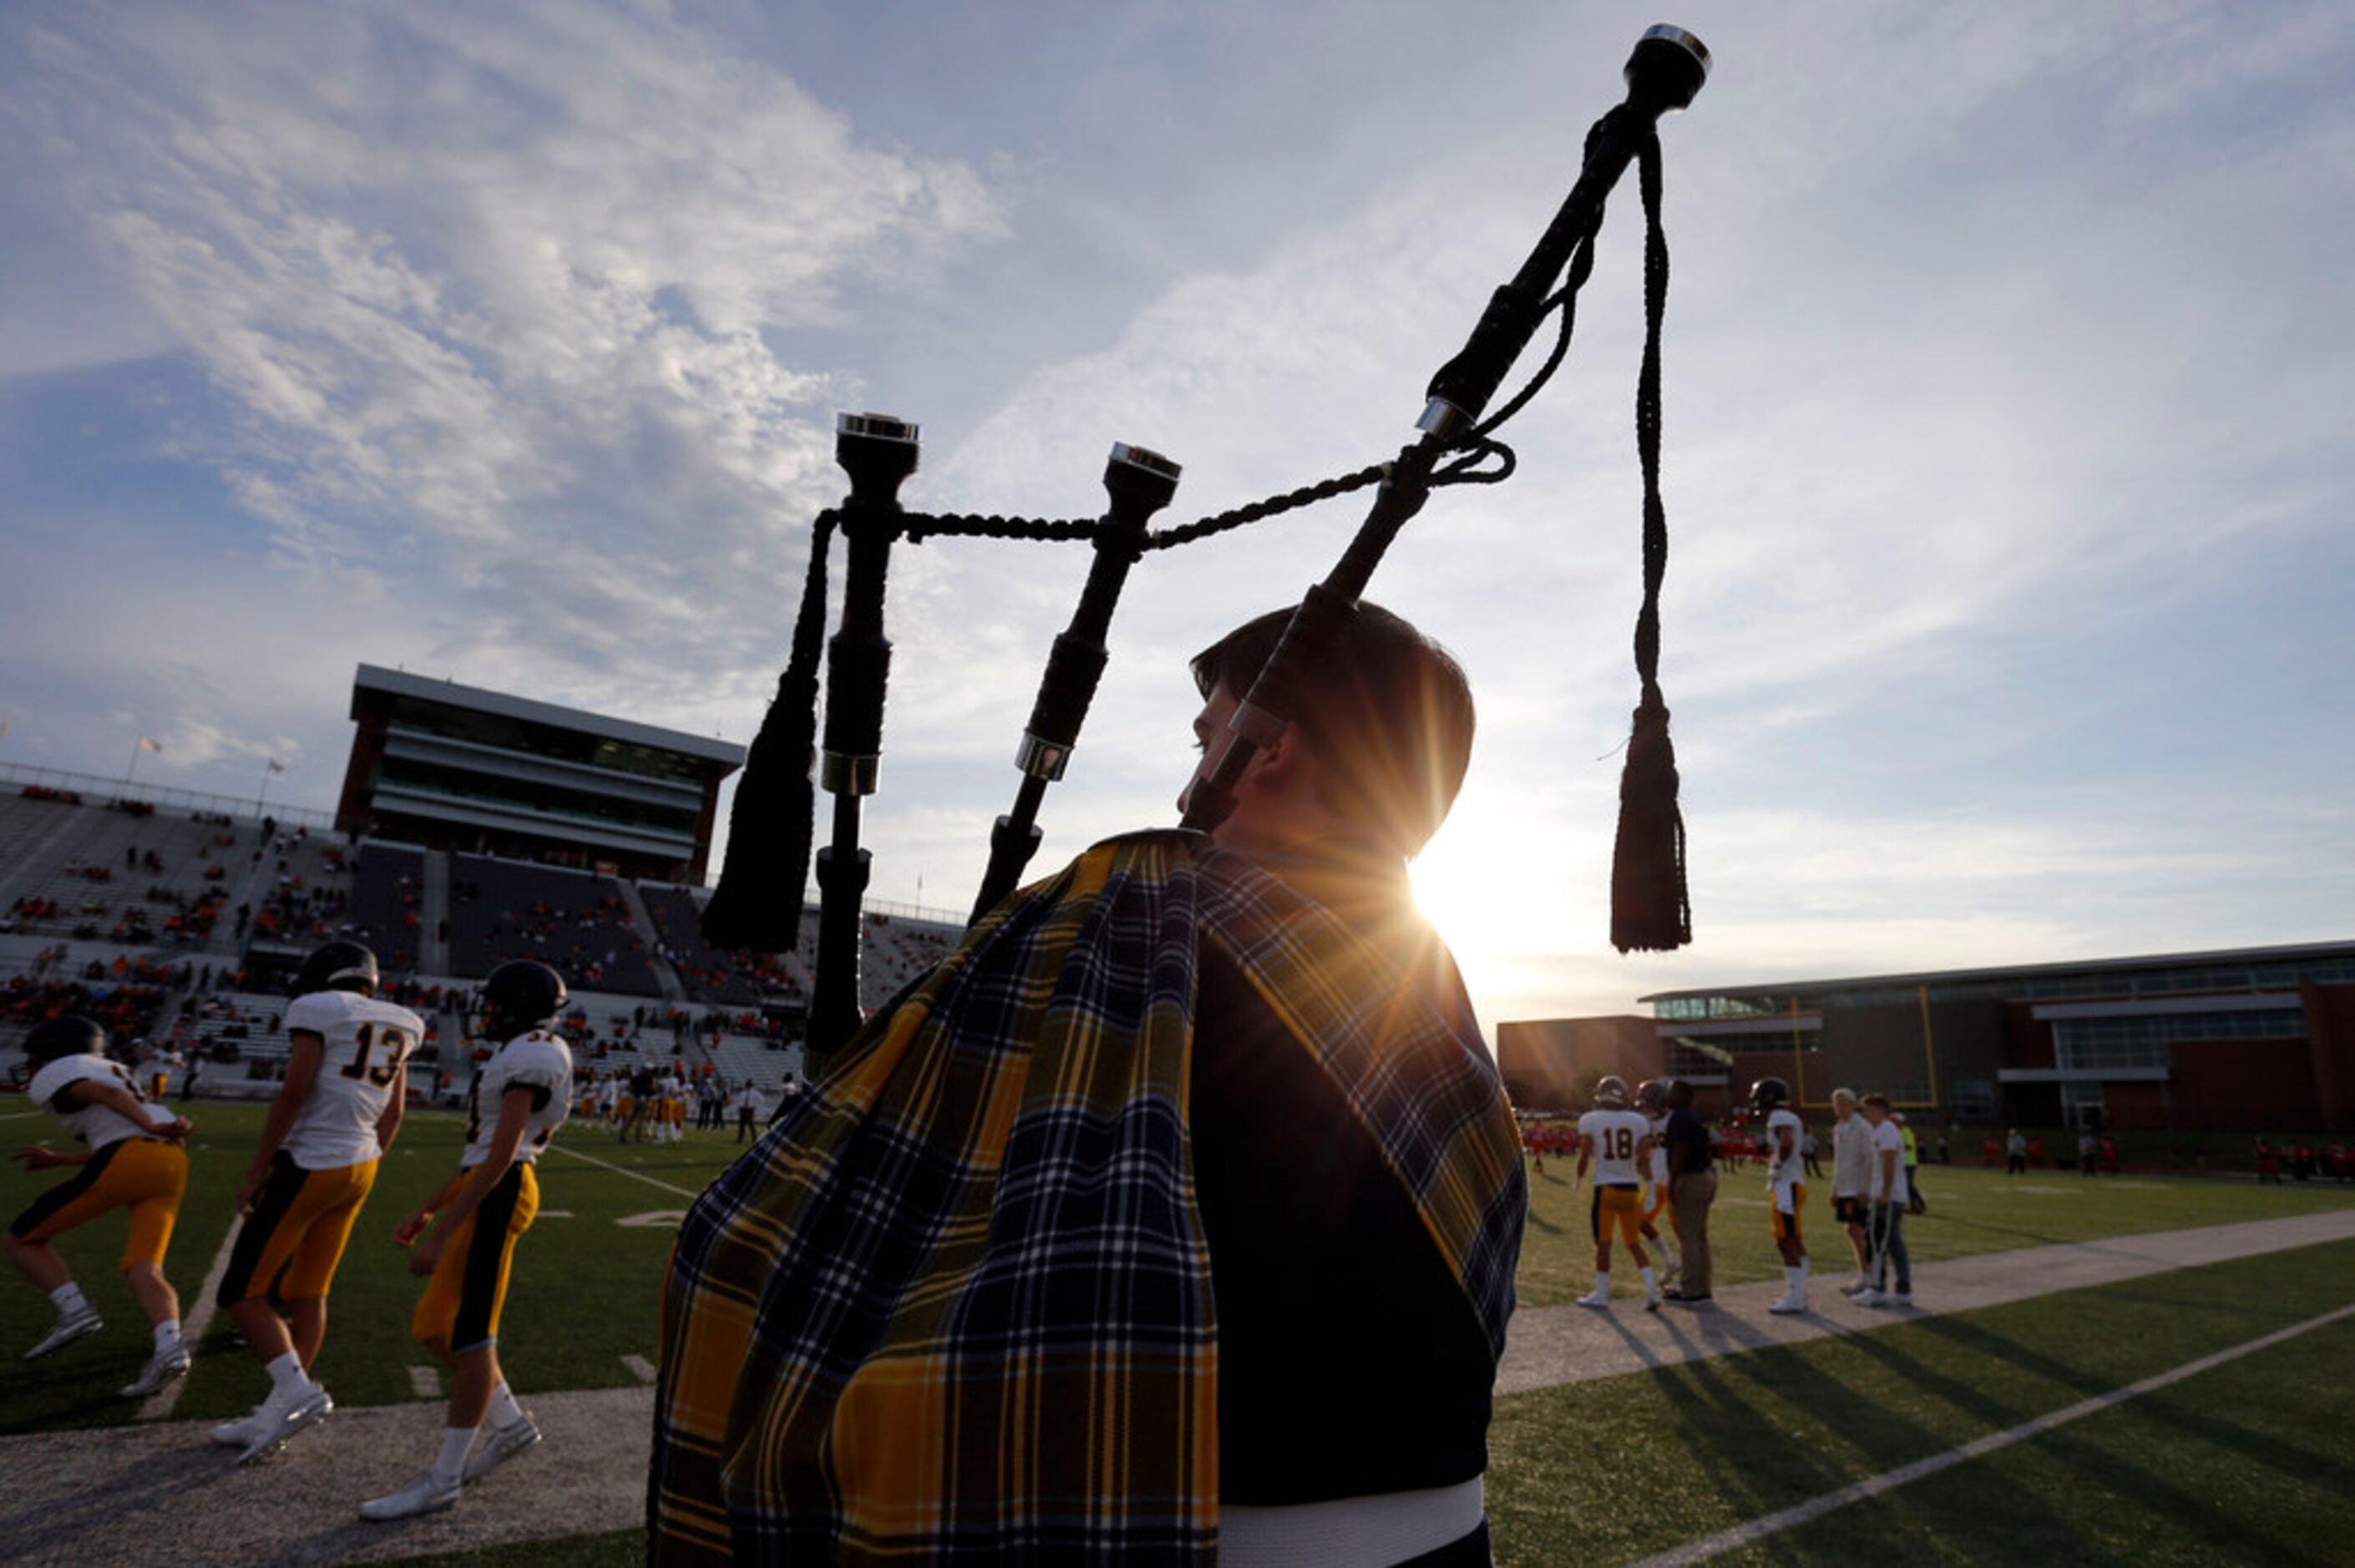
<point>1692,1188</point>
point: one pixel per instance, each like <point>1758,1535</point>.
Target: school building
<point>2248,1039</point>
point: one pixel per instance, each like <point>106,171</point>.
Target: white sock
<point>1645,1274</point>
<point>1794,1279</point>
<point>288,1381</point>
<point>1803,1274</point>
<point>451,1463</point>
<point>167,1333</point>
<point>1601,1279</point>
<point>69,1299</point>
<point>504,1411</point>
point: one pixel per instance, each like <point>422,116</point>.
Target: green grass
<point>584,1294</point>
<point>2252,1462</point>
<point>1971,1211</point>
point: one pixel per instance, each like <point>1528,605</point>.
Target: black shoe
<point>1683,1299</point>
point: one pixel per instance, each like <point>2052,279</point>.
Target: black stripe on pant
<point>278,1195</point>
<point>64,1191</point>
<point>478,1287</point>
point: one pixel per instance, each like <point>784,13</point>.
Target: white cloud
<point>487,292</point>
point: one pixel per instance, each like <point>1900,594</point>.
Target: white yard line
<point>425,1382</point>
<point>22,1116</point>
<point>640,1368</point>
<point>193,1325</point>
<point>622,1170</point>
<point>1757,1529</point>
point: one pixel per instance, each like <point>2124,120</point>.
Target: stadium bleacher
<point>708,975</point>
<point>388,883</point>
<point>126,873</point>
<point>175,925</point>
<point>572,921</point>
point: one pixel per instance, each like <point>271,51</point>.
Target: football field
<point>2185,1414</point>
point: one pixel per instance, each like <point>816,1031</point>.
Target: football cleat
<point>162,1367</point>
<point>71,1326</point>
<point>501,1444</point>
<point>1788,1306</point>
<point>1596,1299</point>
<point>237,1434</point>
<point>278,1422</point>
<point>1652,1302</point>
<point>1868,1297</point>
<point>429,1493</point>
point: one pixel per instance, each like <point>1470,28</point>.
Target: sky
<point>2008,363</point>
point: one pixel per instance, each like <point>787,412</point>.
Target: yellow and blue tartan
<point>956,1307</point>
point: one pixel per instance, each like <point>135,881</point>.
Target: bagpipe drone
<point>757,904</point>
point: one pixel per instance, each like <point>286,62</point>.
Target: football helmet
<point>520,994</point>
<point>71,1035</point>
<point>1611,1092</point>
<point>1769,1095</point>
<point>1652,1096</point>
<point>337,965</point>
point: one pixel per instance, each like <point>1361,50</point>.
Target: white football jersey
<point>97,1126</point>
<point>366,1043</point>
<point>1791,1167</point>
<point>1612,1137</point>
<point>1659,1125</point>
<point>534,1059</point>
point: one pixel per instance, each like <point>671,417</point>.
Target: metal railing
<point>95,790</point>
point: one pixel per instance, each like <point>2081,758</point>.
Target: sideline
<point>193,1325</point>
<point>622,1170</point>
<point>1548,1347</point>
<point>1759,1528</point>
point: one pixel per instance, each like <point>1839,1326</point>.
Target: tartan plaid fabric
<point>956,1307</point>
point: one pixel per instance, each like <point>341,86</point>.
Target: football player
<point>1786,1188</point>
<point>1659,1210</point>
<point>335,1114</point>
<point>520,1098</point>
<point>136,1160</point>
<point>1616,1141</point>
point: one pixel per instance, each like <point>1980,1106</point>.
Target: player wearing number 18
<point>520,1097</point>
<point>1617,1142</point>
<point>335,1114</point>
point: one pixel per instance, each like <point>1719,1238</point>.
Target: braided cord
<point>1647,420</point>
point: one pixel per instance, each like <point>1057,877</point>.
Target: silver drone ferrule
<point>841,775</point>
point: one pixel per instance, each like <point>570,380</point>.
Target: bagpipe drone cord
<point>757,904</point>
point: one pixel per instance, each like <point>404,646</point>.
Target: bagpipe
<point>757,904</point>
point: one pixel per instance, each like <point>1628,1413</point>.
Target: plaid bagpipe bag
<point>956,1307</point>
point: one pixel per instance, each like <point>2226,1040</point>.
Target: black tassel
<point>757,906</point>
<point>1649,907</point>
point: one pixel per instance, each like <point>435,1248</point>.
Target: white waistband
<point>1374,1531</point>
